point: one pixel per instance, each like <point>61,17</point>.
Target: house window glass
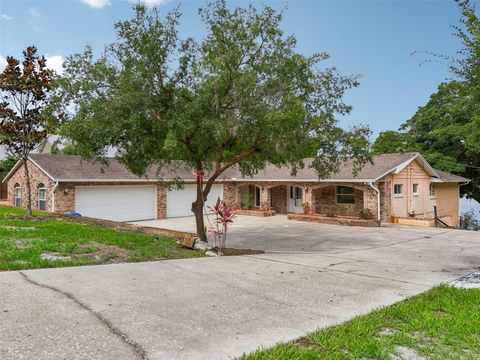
<point>345,195</point>
<point>42,197</point>
<point>432,190</point>
<point>257,196</point>
<point>398,189</point>
<point>415,189</point>
<point>17,195</point>
<point>298,196</point>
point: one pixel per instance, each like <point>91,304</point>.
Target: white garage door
<point>118,203</point>
<point>179,201</point>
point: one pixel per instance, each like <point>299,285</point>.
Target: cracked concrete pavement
<point>219,308</point>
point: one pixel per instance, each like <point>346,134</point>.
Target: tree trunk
<point>197,208</point>
<point>29,190</point>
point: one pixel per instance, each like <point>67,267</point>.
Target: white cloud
<point>97,4</point>
<point>150,2</point>
<point>34,12</point>
<point>55,62</point>
<point>3,62</point>
<point>5,17</point>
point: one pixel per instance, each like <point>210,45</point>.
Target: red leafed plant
<point>224,215</point>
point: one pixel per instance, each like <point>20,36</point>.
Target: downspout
<point>53,196</point>
<point>378,199</point>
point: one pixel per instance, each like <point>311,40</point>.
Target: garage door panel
<point>118,203</point>
<point>179,201</point>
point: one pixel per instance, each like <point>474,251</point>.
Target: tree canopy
<point>242,95</point>
<point>447,129</point>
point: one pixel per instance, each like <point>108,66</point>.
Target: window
<point>257,196</point>
<point>298,197</point>
<point>398,189</point>
<point>42,197</point>
<point>432,190</point>
<point>415,189</point>
<point>345,195</point>
<point>17,195</point>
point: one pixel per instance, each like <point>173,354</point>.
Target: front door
<point>295,199</point>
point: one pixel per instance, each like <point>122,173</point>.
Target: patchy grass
<point>443,323</point>
<point>50,241</point>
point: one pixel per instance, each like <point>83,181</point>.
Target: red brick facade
<point>37,177</point>
<point>319,196</point>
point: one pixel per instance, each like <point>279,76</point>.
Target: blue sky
<point>372,38</point>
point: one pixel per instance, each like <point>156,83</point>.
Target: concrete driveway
<point>278,234</point>
<point>219,308</point>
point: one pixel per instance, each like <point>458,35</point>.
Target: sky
<point>374,39</point>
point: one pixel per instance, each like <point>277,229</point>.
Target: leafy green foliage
<point>447,129</point>
<point>25,114</point>
<point>469,221</point>
<point>7,164</point>
<point>439,324</point>
<point>242,96</point>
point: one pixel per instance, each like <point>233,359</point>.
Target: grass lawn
<point>51,241</point>
<point>443,323</point>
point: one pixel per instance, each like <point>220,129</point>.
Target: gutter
<point>53,196</point>
<point>378,199</point>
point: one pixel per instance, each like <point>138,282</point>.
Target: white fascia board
<point>12,170</point>
<point>124,180</point>
<point>17,165</point>
<point>403,165</point>
<point>46,173</point>
<point>304,180</point>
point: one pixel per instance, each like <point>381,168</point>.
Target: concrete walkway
<point>219,308</point>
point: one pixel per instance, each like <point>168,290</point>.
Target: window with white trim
<point>432,190</point>
<point>345,195</point>
<point>398,189</point>
<point>415,189</point>
<point>17,199</point>
<point>42,197</point>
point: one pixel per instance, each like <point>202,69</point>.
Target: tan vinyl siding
<point>408,203</point>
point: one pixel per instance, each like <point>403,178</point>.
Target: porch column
<point>308,198</point>
<point>370,201</point>
<point>265,199</point>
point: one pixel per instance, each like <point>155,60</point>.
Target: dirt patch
<point>51,256</point>
<point>101,253</point>
<point>235,252</point>
<point>17,228</point>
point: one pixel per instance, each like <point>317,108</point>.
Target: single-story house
<point>394,186</point>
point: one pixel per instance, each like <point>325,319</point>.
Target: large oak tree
<point>239,96</point>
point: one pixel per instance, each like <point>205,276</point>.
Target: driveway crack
<point>137,348</point>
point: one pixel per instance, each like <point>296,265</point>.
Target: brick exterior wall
<point>37,177</point>
<point>325,200</point>
<point>274,195</point>
<point>161,202</point>
<point>385,187</point>
<point>279,198</point>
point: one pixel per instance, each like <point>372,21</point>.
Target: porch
<point>332,203</point>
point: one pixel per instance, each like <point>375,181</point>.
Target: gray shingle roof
<point>447,177</point>
<point>73,168</point>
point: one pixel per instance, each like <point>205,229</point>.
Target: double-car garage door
<point>136,202</point>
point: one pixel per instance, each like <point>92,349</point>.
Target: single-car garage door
<point>179,201</point>
<point>118,203</point>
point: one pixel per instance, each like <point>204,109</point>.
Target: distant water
<point>470,204</point>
